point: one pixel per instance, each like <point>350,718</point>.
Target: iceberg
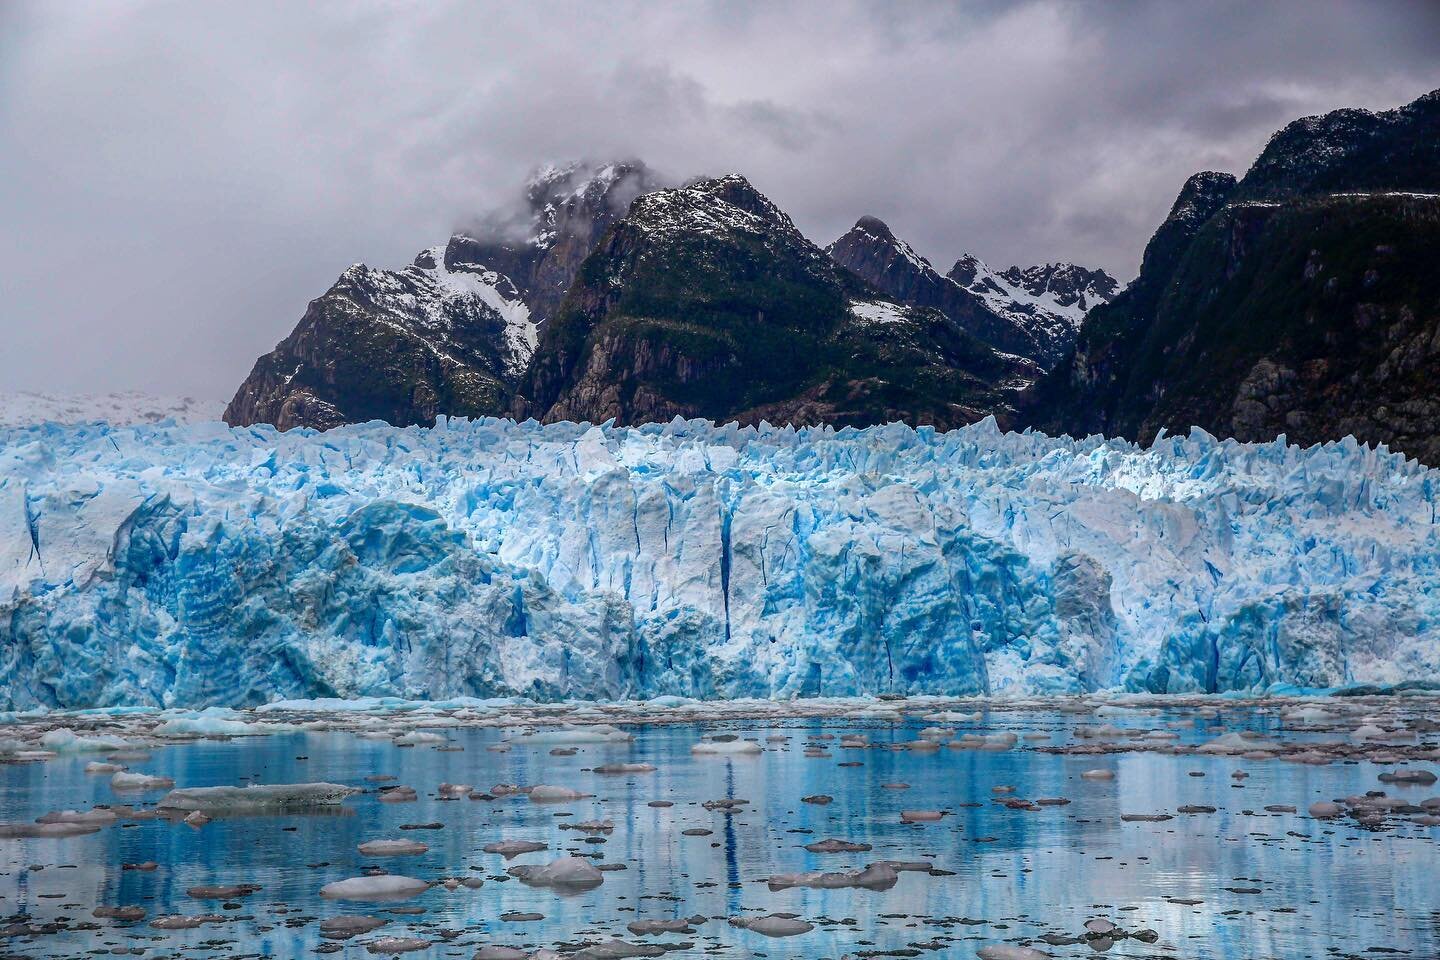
<point>196,565</point>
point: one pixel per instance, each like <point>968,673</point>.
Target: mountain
<point>1301,300</point>
<point>706,301</point>
<point>452,332</point>
<point>1034,312</point>
<point>26,408</point>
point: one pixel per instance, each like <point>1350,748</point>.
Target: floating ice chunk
<point>597,733</point>
<point>343,928</point>
<point>952,716</point>
<point>1006,951</point>
<point>775,925</point>
<point>1099,773</point>
<point>726,744</point>
<point>837,846</point>
<point>9,831</point>
<point>139,781</point>
<point>454,791</point>
<point>98,816</point>
<point>513,848</point>
<point>257,797</point>
<point>392,848</point>
<point>181,922</point>
<point>566,872</point>
<point>643,928</point>
<point>230,892</point>
<point>1325,810</point>
<point>1313,716</point>
<point>398,794</point>
<point>381,888</point>
<point>550,793</point>
<point>921,816</point>
<point>417,738</point>
<point>617,950</point>
<point>618,768</point>
<point>877,876</point>
<point>68,741</point>
<point>494,952</point>
<point>96,766</point>
<point>397,945</point>
<point>1239,743</point>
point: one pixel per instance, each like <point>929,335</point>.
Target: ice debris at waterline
<point>190,565</point>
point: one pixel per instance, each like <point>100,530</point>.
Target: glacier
<point>197,565</point>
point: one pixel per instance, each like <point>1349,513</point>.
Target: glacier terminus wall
<point>197,564</point>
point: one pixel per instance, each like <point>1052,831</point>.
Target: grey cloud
<point>178,179</point>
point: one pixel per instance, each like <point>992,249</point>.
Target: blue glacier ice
<point>190,565</point>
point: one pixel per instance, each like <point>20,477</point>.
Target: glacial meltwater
<point>1136,827</point>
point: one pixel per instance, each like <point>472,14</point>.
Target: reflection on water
<point>1323,888</point>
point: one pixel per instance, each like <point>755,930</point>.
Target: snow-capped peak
<point>489,287</point>
<point>1055,296</point>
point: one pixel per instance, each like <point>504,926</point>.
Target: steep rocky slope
<point>1302,300</point>
<point>1033,312</point>
<point>451,333</point>
<point>707,301</point>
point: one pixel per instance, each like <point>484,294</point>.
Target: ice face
<point>197,565</point>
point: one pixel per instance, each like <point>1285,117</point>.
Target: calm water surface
<point>1315,889</point>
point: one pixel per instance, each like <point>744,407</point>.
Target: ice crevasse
<point>196,565</point>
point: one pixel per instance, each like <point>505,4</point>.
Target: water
<point>1324,888</point>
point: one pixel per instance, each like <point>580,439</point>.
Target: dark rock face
<point>1032,312</point>
<point>450,334</point>
<point>706,301</point>
<point>400,346</point>
<point>1302,300</point>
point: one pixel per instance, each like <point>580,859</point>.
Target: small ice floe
<point>1310,716</point>
<point>99,816</point>
<point>569,735</point>
<point>454,791</point>
<point>397,945</point>
<point>513,848</point>
<point>392,848</point>
<point>270,796</point>
<point>181,922</point>
<point>380,888</point>
<point>139,781</point>
<point>550,793</point>
<point>877,876</point>
<point>922,746</point>
<point>62,740</point>
<point>644,928</point>
<point>1325,810</point>
<point>195,819</point>
<point>606,950</point>
<point>591,826</point>
<point>921,816</point>
<point>618,768</point>
<point>343,928</point>
<point>818,799</point>
<point>97,766</point>
<point>1412,777</point>
<point>417,738</point>
<point>1099,773</point>
<point>951,716</point>
<point>774,925</point>
<point>573,873</point>
<point>118,913</point>
<point>495,952</point>
<point>397,794</point>
<point>726,744</point>
<point>1008,951</point>
<point>836,846</point>
<point>994,742</point>
<point>1245,741</point>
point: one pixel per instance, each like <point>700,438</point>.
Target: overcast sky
<point>178,179</point>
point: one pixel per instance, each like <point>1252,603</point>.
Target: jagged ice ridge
<point>194,565</point>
